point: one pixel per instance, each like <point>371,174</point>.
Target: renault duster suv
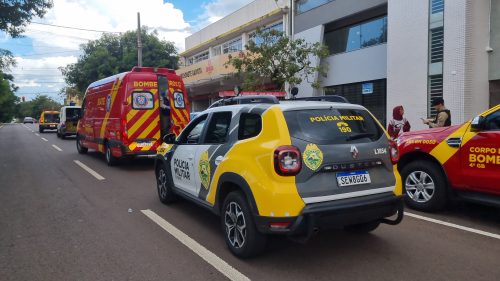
<point>288,168</point>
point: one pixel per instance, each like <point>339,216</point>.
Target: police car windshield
<point>333,126</point>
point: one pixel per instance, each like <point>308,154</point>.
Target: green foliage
<point>35,107</point>
<point>278,59</point>
<point>112,54</point>
<point>17,14</point>
<point>8,100</point>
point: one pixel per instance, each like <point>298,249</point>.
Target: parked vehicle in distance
<point>283,168</point>
<point>28,120</point>
<point>48,120</point>
<point>68,121</point>
<point>459,161</point>
<point>121,114</point>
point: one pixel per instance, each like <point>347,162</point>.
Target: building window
<point>437,44</point>
<point>258,40</point>
<point>198,57</point>
<point>232,46</point>
<point>374,97</point>
<point>217,51</point>
<point>436,54</point>
<point>355,37</point>
<point>306,5</point>
<point>437,6</point>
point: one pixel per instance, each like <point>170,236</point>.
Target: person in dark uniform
<point>164,113</point>
<point>443,116</point>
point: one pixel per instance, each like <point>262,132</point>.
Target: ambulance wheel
<point>240,232</point>
<point>63,136</point>
<point>110,159</point>
<point>425,186</point>
<point>362,227</point>
<point>58,134</point>
<point>79,145</point>
<point>165,192</point>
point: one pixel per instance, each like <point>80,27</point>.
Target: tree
<point>17,14</point>
<point>276,58</point>
<point>35,107</point>
<point>112,54</point>
<point>8,100</point>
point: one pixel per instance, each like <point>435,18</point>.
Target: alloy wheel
<point>236,228</point>
<point>420,186</point>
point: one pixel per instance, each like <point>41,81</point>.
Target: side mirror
<point>169,138</point>
<point>477,123</point>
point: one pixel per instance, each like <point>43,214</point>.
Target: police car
<point>290,168</point>
<point>458,161</point>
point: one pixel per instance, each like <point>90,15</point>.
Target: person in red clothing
<point>398,124</point>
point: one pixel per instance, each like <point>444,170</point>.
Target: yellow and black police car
<point>290,168</point>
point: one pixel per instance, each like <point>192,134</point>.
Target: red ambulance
<point>121,115</point>
<point>459,161</point>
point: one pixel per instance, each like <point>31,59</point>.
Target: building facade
<point>203,66</point>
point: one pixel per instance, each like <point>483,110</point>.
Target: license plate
<point>52,126</point>
<point>353,178</point>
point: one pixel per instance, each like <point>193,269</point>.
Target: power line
<point>76,28</point>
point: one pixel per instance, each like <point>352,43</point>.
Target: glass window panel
<point>306,5</point>
<point>373,33</point>
<point>354,38</point>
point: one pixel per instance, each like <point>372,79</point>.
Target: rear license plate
<point>52,126</point>
<point>353,178</point>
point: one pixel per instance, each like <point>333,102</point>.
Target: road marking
<point>90,171</point>
<point>464,228</point>
<point>56,147</point>
<point>45,139</point>
<point>36,134</point>
<point>218,263</point>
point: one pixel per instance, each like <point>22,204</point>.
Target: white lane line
<point>218,263</point>
<point>36,134</point>
<point>90,171</point>
<point>464,228</point>
<point>45,139</point>
<point>56,147</point>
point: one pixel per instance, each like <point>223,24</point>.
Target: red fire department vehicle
<point>121,115</point>
<point>458,161</point>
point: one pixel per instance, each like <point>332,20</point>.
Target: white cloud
<point>218,9</point>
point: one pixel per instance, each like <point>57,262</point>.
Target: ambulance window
<point>493,121</point>
<point>218,127</point>
<point>142,100</point>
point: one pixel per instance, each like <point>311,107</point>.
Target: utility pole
<point>139,43</point>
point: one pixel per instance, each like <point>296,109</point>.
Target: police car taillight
<point>287,161</point>
<point>394,152</point>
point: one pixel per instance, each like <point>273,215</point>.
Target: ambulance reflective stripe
<point>114,91</point>
<point>443,152</point>
<point>140,128</point>
<point>179,116</point>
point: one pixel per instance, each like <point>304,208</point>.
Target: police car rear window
<point>51,118</point>
<point>333,126</point>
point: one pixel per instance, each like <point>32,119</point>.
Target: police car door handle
<point>218,160</point>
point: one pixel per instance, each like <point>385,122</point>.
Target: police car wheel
<point>425,186</point>
<point>362,227</point>
<point>165,192</point>
<point>79,146</point>
<point>110,159</point>
<point>240,233</point>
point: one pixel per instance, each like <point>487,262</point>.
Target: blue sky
<point>44,48</point>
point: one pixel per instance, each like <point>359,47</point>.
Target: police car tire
<point>362,227</point>
<point>110,159</point>
<point>438,199</point>
<point>255,241</point>
<point>79,146</point>
<point>165,192</point>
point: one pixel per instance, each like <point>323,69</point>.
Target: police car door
<point>183,159</point>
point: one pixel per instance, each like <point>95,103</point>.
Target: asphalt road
<point>58,222</point>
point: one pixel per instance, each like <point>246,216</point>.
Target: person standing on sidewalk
<point>443,116</point>
<point>398,124</point>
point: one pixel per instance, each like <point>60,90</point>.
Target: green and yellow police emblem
<point>204,170</point>
<point>312,156</point>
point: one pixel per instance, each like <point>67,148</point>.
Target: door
<point>183,161</point>
<point>481,157</point>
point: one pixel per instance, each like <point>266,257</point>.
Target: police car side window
<point>218,128</point>
<point>192,133</point>
<point>493,121</point>
<point>250,126</point>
